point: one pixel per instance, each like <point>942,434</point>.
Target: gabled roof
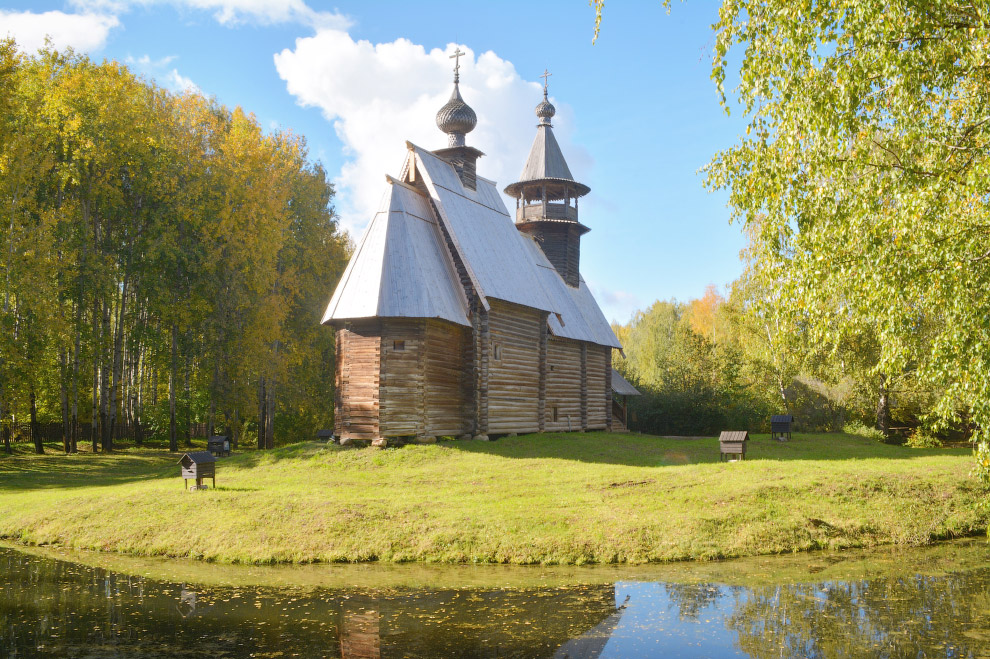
<point>198,457</point>
<point>492,249</point>
<point>400,268</point>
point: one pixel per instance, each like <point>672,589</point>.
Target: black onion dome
<point>456,117</point>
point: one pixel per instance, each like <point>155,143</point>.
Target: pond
<point>932,602</point>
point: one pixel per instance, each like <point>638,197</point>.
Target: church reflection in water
<point>478,623</point>
<point>54,607</point>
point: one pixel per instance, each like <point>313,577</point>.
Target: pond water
<point>933,602</point>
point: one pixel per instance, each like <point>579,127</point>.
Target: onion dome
<point>546,167</point>
<point>456,118</point>
<point>545,110</point>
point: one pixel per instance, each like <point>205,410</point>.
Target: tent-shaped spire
<point>547,199</point>
<point>546,163</point>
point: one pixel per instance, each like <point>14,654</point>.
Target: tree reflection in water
<point>692,598</point>
<point>912,616</point>
<point>51,607</point>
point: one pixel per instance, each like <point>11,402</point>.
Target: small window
<point>555,414</point>
<point>496,351</point>
<point>398,345</point>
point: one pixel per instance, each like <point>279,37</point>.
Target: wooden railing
<point>553,212</point>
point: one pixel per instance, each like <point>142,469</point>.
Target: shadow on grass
<point>55,470</point>
<point>650,451</point>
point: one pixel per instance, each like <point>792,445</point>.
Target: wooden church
<point>455,319</point>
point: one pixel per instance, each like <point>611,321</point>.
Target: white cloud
<point>379,95</point>
<point>83,32</point>
<point>235,12</point>
<point>159,70</point>
<point>145,61</point>
<point>618,306</point>
<point>177,82</point>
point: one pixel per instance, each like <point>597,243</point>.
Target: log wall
<point>599,396</point>
<point>513,374</point>
<point>403,377</point>
<point>448,379</point>
<point>563,385</point>
<point>426,377</point>
<point>357,399</point>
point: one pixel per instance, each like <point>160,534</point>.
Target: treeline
<point>165,261</point>
<point>731,362</point>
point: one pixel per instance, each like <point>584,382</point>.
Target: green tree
<point>156,248</point>
<point>864,171</point>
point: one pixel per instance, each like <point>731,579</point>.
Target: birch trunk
<point>270,416</point>
<point>63,381</point>
<point>39,447</point>
<point>3,431</point>
<point>94,426</point>
<point>117,361</point>
<point>104,381</point>
<point>189,416</point>
<point>262,414</point>
<point>74,434</point>
<point>173,444</point>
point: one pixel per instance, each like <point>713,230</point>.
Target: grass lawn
<point>553,498</point>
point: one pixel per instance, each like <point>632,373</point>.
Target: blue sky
<point>637,115</point>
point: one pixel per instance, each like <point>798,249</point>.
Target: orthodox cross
<point>545,76</point>
<point>457,61</point>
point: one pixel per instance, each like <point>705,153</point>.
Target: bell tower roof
<point>546,163</point>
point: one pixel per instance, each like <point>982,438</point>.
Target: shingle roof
<point>546,162</point>
<point>621,386</point>
<point>400,267</point>
<point>199,457</point>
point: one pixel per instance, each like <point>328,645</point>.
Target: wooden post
<point>542,404</point>
<point>422,424</point>
<point>584,386</point>
<point>338,427</point>
<point>608,391</point>
<point>485,354</point>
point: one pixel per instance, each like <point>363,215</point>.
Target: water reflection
<point>51,607</point>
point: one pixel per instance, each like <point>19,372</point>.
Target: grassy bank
<point>534,499</point>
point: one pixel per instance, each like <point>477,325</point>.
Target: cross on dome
<point>545,76</point>
<point>457,62</point>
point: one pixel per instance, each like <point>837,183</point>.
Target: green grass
<point>568,499</point>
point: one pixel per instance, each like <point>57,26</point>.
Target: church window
<point>398,345</point>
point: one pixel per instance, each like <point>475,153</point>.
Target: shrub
<point>863,430</point>
<point>921,439</point>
